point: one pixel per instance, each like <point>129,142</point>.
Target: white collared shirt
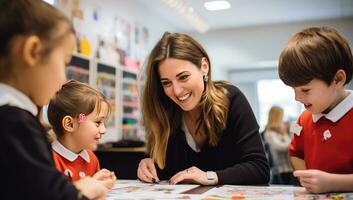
<point>68,154</point>
<point>189,139</point>
<point>13,97</point>
<point>338,111</point>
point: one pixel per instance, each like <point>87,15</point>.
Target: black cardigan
<point>239,157</point>
<point>27,167</point>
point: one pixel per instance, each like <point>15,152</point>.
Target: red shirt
<point>72,165</point>
<point>326,144</point>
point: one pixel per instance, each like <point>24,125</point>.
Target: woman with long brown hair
<point>278,139</point>
<point>198,130</point>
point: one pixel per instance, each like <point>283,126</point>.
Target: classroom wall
<point>258,46</point>
<point>131,11</point>
<point>241,55</point>
<point>245,55</point>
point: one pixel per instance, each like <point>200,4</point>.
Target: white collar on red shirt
<point>338,111</point>
<point>68,154</point>
<point>13,97</point>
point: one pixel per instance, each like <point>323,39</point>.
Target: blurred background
<point>242,37</point>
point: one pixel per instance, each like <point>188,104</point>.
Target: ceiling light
<point>188,13</point>
<point>217,5</point>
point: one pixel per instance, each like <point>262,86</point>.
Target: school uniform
<point>72,165</point>
<point>27,167</point>
<point>325,141</point>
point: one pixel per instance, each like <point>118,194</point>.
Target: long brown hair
<point>275,119</point>
<point>73,99</point>
<point>160,115</point>
<point>26,18</point>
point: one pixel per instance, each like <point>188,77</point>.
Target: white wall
<point>132,11</point>
<point>246,81</point>
<point>239,55</point>
<point>250,46</point>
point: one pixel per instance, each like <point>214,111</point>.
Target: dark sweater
<point>27,167</point>
<point>239,157</point>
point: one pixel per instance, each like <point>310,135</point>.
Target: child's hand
<point>315,181</point>
<point>91,188</point>
<point>102,174</point>
<point>107,177</point>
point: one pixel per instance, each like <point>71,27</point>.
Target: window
<point>274,92</point>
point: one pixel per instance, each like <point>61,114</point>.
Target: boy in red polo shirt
<point>317,63</point>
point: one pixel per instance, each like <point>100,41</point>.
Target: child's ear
<point>68,123</point>
<point>340,78</point>
<point>31,50</point>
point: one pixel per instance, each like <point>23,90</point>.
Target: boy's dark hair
<point>315,53</point>
<point>73,99</point>
<point>25,18</point>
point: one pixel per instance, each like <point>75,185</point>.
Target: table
<point>136,190</point>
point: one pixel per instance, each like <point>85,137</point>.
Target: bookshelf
<point>106,79</point>
<point>130,105</point>
<point>79,69</point>
<point>121,87</point>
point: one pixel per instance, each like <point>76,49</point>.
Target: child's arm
<point>297,163</point>
<point>317,181</point>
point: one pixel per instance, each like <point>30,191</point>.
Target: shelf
<point>130,116</point>
<point>121,87</point>
<point>129,127</point>
<point>130,81</point>
<point>130,71</point>
<point>79,69</point>
<point>130,94</point>
<point>130,104</point>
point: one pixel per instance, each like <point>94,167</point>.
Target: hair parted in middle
<point>73,99</point>
<point>160,115</point>
<point>315,53</point>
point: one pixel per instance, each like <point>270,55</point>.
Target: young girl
<point>77,115</point>
<point>36,42</point>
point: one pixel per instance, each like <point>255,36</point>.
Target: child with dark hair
<point>77,114</point>
<point>36,42</point>
<point>317,63</point>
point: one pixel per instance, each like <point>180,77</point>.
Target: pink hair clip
<point>81,118</point>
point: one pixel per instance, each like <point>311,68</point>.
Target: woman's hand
<point>107,177</point>
<point>190,175</point>
<point>91,188</point>
<point>146,171</point>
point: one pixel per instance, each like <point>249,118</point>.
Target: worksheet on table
<point>131,189</point>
